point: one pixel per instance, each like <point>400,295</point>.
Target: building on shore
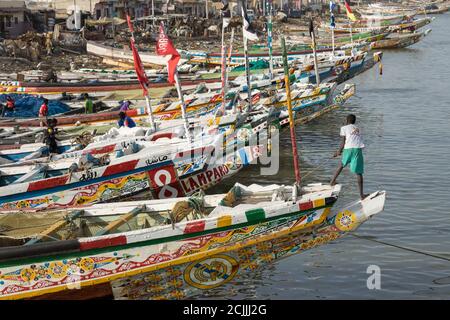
<point>14,18</point>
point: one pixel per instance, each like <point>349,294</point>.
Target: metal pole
<point>153,8</point>
<point>206,8</point>
<point>183,107</point>
<point>291,115</point>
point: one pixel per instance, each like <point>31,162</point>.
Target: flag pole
<point>332,24</point>
<point>183,106</point>
<point>291,115</point>
<point>247,75</point>
<point>224,65</point>
<point>247,67</point>
<point>316,68</point>
<point>149,109</point>
<point>230,52</point>
<point>144,85</point>
<point>269,38</point>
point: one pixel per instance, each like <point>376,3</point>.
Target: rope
<point>437,256</point>
<point>317,167</point>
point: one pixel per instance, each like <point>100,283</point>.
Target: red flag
<point>138,66</point>
<point>164,47</point>
<point>140,72</point>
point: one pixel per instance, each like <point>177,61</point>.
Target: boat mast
<point>247,67</point>
<point>230,52</point>
<point>269,39</point>
<point>291,115</point>
<point>332,24</point>
<point>313,38</point>
<point>144,85</point>
<point>225,21</point>
<point>183,107</point>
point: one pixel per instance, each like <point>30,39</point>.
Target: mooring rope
<point>437,256</point>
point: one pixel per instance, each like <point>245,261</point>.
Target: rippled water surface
<point>405,118</point>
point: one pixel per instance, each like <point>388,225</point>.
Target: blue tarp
<point>27,106</point>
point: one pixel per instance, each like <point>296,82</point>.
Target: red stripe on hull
<point>47,183</point>
<point>196,226</point>
<point>120,167</point>
<point>102,243</point>
<point>306,206</point>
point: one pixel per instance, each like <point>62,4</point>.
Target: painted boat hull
<point>182,268</point>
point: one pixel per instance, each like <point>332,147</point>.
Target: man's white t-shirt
<point>353,137</point>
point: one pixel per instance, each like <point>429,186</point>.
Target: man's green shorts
<point>354,157</point>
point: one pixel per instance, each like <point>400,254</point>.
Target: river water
<point>404,115</point>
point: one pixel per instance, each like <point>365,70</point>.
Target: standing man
<point>43,111</point>
<point>352,153</point>
<point>88,104</point>
<point>50,136</point>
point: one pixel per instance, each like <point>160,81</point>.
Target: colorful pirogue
<point>173,248</point>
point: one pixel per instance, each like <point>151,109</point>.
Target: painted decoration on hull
<point>211,272</point>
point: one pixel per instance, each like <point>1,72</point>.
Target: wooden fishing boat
<point>128,250</point>
<point>122,55</point>
<point>166,111</point>
<point>167,172</point>
<point>400,40</point>
<point>405,26</point>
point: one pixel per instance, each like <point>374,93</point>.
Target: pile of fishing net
<point>27,106</point>
<point>254,65</point>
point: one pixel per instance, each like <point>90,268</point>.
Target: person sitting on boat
<point>88,104</point>
<point>351,151</point>
<point>66,97</point>
<point>50,136</point>
<point>125,121</point>
<point>125,106</point>
<point>43,111</point>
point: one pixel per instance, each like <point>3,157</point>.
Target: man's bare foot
<point>364,196</point>
<point>332,183</point>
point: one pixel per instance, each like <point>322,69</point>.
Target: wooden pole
<point>149,111</point>
<point>316,67</point>
<point>247,70</point>
<point>224,63</point>
<point>230,52</point>
<point>291,115</point>
<point>269,40</point>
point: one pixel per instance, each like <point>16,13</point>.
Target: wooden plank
<point>55,227</point>
<point>118,222</point>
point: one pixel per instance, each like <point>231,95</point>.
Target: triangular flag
<point>164,47</point>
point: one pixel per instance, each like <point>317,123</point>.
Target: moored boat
<point>173,237</point>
